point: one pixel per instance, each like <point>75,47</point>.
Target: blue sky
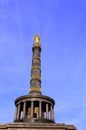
<point>61,25</point>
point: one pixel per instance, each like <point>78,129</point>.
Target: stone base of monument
<point>36,126</point>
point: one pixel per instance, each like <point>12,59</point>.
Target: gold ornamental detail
<point>35,89</point>
<point>35,77</point>
<point>35,67</point>
<point>37,57</point>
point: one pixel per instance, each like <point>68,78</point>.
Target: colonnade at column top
<point>37,110</point>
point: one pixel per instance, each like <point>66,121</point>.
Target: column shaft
<point>15,117</point>
<point>31,108</point>
<point>47,111</point>
<point>18,114</point>
<point>24,109</point>
<point>51,113</point>
<point>40,109</point>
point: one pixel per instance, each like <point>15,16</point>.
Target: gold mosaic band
<point>35,67</point>
<point>35,77</point>
<point>35,89</point>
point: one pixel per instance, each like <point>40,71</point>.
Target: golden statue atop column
<point>36,38</point>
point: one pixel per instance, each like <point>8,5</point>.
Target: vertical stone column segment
<point>35,82</point>
<point>24,109</point>
<point>47,116</point>
<point>18,116</point>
